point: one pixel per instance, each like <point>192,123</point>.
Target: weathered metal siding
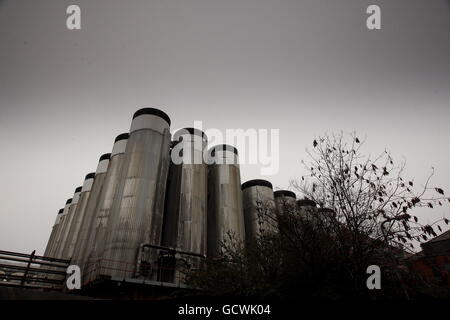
<point>62,223</point>
<point>284,200</point>
<point>68,223</point>
<point>98,231</point>
<point>307,208</point>
<point>259,205</point>
<point>78,216</point>
<point>82,245</point>
<point>137,214</point>
<point>225,207</point>
<point>186,224</point>
<point>51,240</point>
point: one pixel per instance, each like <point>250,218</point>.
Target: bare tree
<point>370,204</point>
<point>358,212</point>
<point>369,196</point>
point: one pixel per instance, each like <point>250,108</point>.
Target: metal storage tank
<point>106,198</point>
<point>185,216</point>
<point>225,207</point>
<point>186,210</point>
<point>259,208</point>
<point>62,223</point>
<point>285,205</point>
<point>82,244</point>
<point>137,214</point>
<point>307,208</point>
<point>68,222</point>
<point>284,200</point>
<point>74,230</point>
<point>51,240</point>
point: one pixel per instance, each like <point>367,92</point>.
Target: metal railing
<point>32,271</point>
<point>159,265</point>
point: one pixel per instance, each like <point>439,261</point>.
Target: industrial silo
<point>284,200</point>
<point>259,208</point>
<point>185,223</point>
<point>185,216</point>
<point>68,222</point>
<point>106,198</point>
<point>61,225</point>
<point>82,244</point>
<point>51,240</point>
<point>225,207</point>
<point>285,208</point>
<point>79,212</point>
<point>137,213</point>
<point>307,208</point>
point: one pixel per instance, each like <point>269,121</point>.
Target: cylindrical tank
<point>225,207</point>
<point>284,200</point>
<point>108,195</point>
<point>285,205</point>
<point>82,245</point>
<point>185,216</point>
<point>186,210</point>
<point>77,219</point>
<point>68,221</point>
<point>55,227</point>
<point>137,214</point>
<point>307,208</point>
<point>62,223</point>
<point>259,208</point>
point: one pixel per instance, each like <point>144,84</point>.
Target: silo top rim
<point>90,176</point>
<point>191,131</point>
<point>69,201</point>
<point>223,147</point>
<point>284,193</point>
<point>306,202</point>
<point>122,136</point>
<point>78,189</point>
<point>256,182</point>
<point>152,111</point>
<point>105,156</point>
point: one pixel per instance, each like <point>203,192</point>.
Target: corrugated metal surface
<point>185,226</point>
<point>225,208</point>
<point>68,223</point>
<point>98,234</point>
<point>61,226</point>
<point>82,244</point>
<point>185,217</point>
<point>78,215</point>
<point>51,240</point>
<point>137,213</point>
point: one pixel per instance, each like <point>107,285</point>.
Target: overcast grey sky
<point>303,66</point>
